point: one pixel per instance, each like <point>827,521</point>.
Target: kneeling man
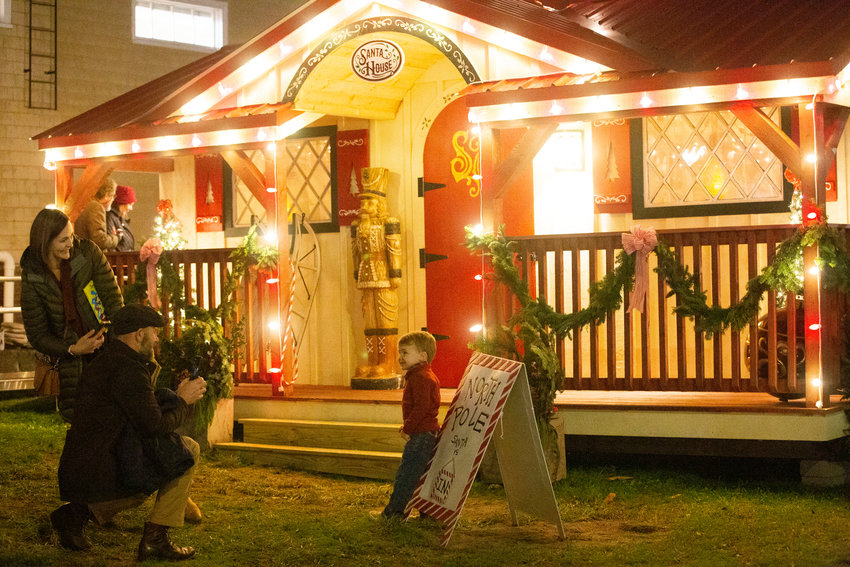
<point>122,446</point>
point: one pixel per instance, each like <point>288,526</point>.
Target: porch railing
<point>203,273</point>
<point>659,350</point>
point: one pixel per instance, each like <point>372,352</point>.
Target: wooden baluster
<point>791,343</point>
<point>594,338</point>
<point>559,292</point>
<point>663,369</point>
<point>752,271</point>
<point>699,337</point>
<point>772,378</point>
<point>734,295</point>
<point>575,278</point>
<point>611,323</point>
<point>681,350</point>
<point>717,338</point>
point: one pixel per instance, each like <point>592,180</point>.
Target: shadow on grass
<point>25,402</point>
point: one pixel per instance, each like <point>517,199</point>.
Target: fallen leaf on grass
<point>610,498</point>
<point>675,496</point>
<point>619,478</point>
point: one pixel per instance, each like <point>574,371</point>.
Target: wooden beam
<point>277,168</point>
<point>85,188</point>
<point>250,174</point>
<point>63,184</point>
<point>771,135</point>
<point>521,157</point>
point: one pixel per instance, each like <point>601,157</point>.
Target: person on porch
<point>122,427</point>
<point>91,223</point>
<point>117,221</point>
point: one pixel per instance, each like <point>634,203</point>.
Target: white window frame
<point>5,13</point>
<point>216,8</point>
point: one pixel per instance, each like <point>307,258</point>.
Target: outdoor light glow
<point>476,328</point>
<point>285,49</point>
<point>814,270</point>
<point>261,135</point>
<point>477,230</point>
<point>814,326</point>
<point>274,370</point>
<point>556,108</point>
<point>478,277</point>
<point>819,404</point>
<point>816,382</point>
<point>49,165</point>
<point>468,27</point>
<point>271,147</point>
<point>271,189</point>
<point>274,324</point>
<point>50,206</point>
<point>135,147</point>
<point>645,101</point>
<point>270,238</point>
<point>741,93</point>
<point>811,158</point>
<point>476,176</point>
<point>272,281</point>
<point>811,215</point>
<point>476,130</point>
<point>78,153</point>
<point>196,141</point>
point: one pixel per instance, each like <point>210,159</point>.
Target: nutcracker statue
<point>376,243</point>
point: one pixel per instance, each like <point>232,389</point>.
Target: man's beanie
<point>134,316</point>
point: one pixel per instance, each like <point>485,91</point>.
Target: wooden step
<point>325,410</point>
<point>381,465</point>
<point>323,434</point>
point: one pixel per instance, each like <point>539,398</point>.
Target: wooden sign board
<point>493,397</point>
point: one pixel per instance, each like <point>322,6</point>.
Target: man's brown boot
<point>156,543</point>
<point>69,521</point>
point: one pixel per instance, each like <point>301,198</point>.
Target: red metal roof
<point>703,35</point>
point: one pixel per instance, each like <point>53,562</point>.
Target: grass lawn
<point>658,515</point>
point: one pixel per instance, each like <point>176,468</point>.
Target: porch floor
<point>750,402</point>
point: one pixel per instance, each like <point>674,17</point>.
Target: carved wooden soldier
<point>377,271</point>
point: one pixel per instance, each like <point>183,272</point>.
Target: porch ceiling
<point>333,88</point>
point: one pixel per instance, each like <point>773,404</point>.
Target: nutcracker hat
<point>371,184</point>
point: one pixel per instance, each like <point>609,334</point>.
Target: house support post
<point>812,174</point>
<point>495,301</point>
<point>276,170</point>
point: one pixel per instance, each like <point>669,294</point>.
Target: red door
<point>453,295</point>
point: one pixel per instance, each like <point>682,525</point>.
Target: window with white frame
<point>196,24</point>
<point>708,158</point>
<point>6,13</point>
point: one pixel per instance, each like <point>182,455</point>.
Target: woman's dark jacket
<point>114,221</point>
<point>44,314</point>
<point>115,392</point>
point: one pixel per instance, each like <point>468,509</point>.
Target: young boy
<point>419,406</point>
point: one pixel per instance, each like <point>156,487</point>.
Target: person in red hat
<point>117,221</point>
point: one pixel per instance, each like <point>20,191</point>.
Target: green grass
<point>660,516</point>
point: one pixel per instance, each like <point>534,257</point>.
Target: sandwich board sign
<point>493,401</point>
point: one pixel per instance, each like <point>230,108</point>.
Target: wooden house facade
<point>566,123</point>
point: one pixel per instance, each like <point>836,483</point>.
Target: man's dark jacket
<point>115,392</point>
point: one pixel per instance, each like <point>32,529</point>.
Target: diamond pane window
<point>310,182</point>
<point>707,158</point>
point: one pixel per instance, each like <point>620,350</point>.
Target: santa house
<point>566,123</point>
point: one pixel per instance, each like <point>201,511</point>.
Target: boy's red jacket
<point>420,401</point>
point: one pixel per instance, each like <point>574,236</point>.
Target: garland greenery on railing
<point>606,295</point>
<point>531,332</point>
<point>202,347</point>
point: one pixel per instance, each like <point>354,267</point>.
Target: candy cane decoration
<point>288,333</point>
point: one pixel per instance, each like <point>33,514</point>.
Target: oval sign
<point>377,60</point>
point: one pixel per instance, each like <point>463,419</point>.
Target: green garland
<point>203,349</point>
<point>692,302</point>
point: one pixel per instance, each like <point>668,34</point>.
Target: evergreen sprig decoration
<point>605,296</point>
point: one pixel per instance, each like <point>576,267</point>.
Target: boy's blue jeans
<point>414,459</point>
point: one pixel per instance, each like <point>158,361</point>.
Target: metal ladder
<point>42,55</point>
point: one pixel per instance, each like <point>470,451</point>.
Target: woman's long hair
<point>46,226</point>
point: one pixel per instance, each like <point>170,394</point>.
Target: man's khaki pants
<point>170,506</point>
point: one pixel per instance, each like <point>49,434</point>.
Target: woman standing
<point>64,280</point>
<point>117,221</point>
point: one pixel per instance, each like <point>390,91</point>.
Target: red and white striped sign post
<point>491,389</point>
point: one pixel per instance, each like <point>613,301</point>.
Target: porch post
<point>491,218</point>
<point>63,184</point>
<point>276,170</point>
<point>813,187</point>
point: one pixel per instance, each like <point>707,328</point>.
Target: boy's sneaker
<point>379,515</point>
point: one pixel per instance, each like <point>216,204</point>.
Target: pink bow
<point>151,250</point>
<point>641,242</point>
